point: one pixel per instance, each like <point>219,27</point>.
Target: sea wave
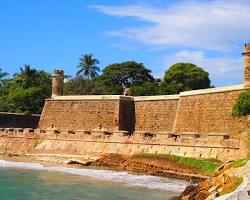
<point>151,182</point>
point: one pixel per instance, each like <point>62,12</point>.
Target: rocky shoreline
<point>113,162</point>
<point>201,186</point>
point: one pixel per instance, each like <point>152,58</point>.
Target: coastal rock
<point>78,161</point>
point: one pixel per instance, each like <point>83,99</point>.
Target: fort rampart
<point>202,112</point>
<point>79,142</point>
<point>195,123</point>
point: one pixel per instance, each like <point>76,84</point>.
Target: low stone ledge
<point>53,131</point>
<point>218,136</point>
<point>120,133</point>
<point>144,134</point>
<point>164,133</point>
<point>39,131</point>
<point>28,130</point>
<point>189,135</point>
<point>83,132</point>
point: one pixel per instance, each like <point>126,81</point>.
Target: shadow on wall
<point>17,120</point>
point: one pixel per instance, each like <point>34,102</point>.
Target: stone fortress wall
<point>194,123</point>
<point>155,113</point>
<point>210,111</point>
<point>200,112</point>
<point>80,142</point>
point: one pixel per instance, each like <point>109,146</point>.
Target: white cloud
<point>213,25</point>
<point>224,67</point>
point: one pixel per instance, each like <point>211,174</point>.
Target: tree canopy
<point>146,89</point>
<point>242,105</point>
<point>117,76</point>
<point>81,86</point>
<point>184,76</point>
<point>26,91</point>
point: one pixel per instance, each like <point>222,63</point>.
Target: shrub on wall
<point>242,104</point>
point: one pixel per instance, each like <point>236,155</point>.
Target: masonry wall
<point>155,115</point>
<point>81,114</point>
<point>209,113</point>
<point>202,112</point>
<point>16,120</point>
<point>65,142</point>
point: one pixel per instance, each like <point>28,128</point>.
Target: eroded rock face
<point>152,166</point>
<point>210,188</point>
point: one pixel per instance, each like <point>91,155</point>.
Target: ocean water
<point>33,181</point>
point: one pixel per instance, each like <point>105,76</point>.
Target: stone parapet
<point>91,97</point>
<point>156,98</point>
<point>162,143</point>
<point>212,90</point>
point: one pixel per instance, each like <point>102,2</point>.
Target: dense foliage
<point>27,90</point>
<point>81,86</point>
<point>117,76</point>
<point>146,89</point>
<point>183,77</point>
<point>242,104</point>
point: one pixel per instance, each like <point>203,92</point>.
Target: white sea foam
<point>151,182</point>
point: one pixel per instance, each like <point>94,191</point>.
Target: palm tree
<point>27,76</point>
<point>2,74</point>
<point>88,66</point>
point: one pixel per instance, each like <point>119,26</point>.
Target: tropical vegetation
<point>27,89</point>
<point>88,66</point>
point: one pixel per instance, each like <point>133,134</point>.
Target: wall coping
<point>22,114</point>
<point>213,90</point>
<point>155,98</point>
<point>92,97</point>
<point>151,98</point>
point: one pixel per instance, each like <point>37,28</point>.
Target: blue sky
<point>53,34</point>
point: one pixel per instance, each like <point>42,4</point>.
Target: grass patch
<point>207,166</point>
<point>36,143</point>
<point>240,163</point>
<point>231,185</point>
<point>243,161</point>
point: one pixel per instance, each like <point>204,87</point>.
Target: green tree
<point>184,76</point>
<point>26,91</point>
<point>2,75</point>
<point>119,75</point>
<point>88,66</point>
<point>81,86</point>
<point>242,105</point>
<point>27,76</point>
<point>146,89</point>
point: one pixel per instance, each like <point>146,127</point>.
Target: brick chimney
<point>246,65</point>
<point>57,83</point>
